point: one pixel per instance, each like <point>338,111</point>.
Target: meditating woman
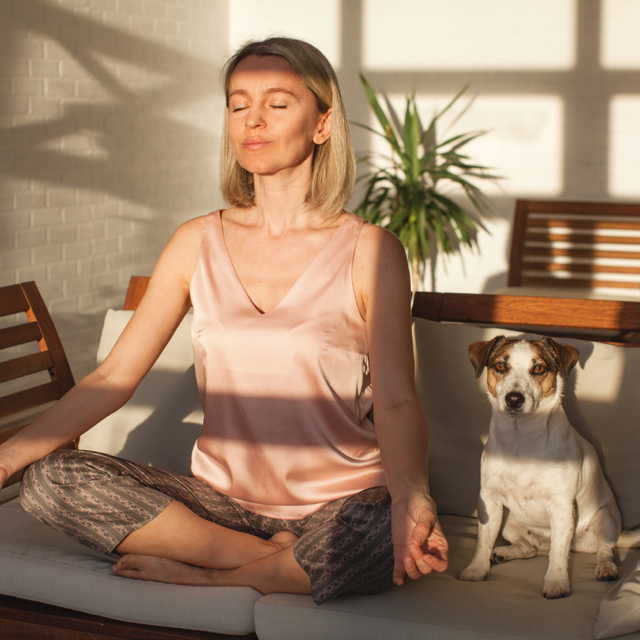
<point>301,324</point>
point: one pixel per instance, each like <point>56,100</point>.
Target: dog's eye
<point>538,369</point>
<point>500,367</point>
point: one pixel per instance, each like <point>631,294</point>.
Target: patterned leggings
<point>344,547</point>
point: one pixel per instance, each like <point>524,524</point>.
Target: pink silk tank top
<point>286,393</point>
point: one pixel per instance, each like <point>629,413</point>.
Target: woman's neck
<point>281,200</point>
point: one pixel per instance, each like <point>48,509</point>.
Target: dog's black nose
<point>514,400</point>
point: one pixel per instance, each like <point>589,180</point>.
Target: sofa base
<point>25,620</point>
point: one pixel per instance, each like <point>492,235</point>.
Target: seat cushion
<point>34,557</point>
<point>508,605</point>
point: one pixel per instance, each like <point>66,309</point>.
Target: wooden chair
<point>605,320</point>
<point>582,245</point>
<point>17,408</point>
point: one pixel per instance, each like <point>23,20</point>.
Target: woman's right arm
<point>110,386</point>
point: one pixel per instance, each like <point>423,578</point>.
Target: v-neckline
<point>295,284</point>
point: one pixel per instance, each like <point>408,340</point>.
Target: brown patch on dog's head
<point>552,358</point>
<point>480,352</point>
<point>487,354</point>
<point>562,356</point>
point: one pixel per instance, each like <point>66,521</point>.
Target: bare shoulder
<point>380,266</point>
<point>183,246</point>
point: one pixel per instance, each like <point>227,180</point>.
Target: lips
<point>254,143</point>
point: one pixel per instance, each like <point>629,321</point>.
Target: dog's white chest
<point>524,486</point>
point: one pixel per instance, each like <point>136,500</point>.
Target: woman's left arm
<point>381,279</point>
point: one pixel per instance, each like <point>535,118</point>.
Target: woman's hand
<point>419,545</point>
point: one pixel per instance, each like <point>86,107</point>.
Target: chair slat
<point>25,365</point>
<point>574,267</point>
<point>28,398</point>
<point>609,209</point>
<point>50,341</point>
<point>576,252</point>
<point>12,300</point>
<point>581,283</point>
<point>19,334</point>
<point>546,223</point>
<point>584,238</point>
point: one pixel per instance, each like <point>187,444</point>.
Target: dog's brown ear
<point>480,352</point>
<point>565,355</point>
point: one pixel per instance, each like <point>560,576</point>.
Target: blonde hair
<point>333,169</point>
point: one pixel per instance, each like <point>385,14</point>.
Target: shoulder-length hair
<point>333,169</point>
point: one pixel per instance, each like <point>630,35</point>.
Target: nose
<point>254,118</point>
<point>514,400</point>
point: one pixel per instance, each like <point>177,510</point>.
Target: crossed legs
<point>179,547</point>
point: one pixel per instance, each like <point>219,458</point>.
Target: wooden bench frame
<point>619,320</point>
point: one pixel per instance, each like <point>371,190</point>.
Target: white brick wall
<point>112,111</point>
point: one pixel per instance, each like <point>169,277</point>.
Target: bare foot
<point>141,567</point>
<point>144,567</point>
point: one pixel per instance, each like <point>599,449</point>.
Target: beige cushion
<point>601,400</point>
<point>620,608</point>
<point>41,564</point>
<point>163,418</point>
<point>507,606</point>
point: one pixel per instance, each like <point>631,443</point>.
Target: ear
<point>565,355</point>
<point>323,130</point>
<point>480,352</point>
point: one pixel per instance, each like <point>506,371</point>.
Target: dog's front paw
<point>607,570</point>
<point>556,589</point>
<point>474,573</point>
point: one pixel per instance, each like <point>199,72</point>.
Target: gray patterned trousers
<point>344,547</point>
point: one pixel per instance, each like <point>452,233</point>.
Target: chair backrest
<point>34,370</point>
<point>584,245</point>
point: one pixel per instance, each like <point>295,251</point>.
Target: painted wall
<point>108,138</point>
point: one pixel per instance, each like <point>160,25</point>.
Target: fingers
<point>429,552</point>
<point>398,574</point>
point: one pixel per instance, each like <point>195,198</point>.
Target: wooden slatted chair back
<point>34,370</point>
<point>582,245</point>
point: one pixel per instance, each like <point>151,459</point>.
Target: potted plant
<point>406,193</point>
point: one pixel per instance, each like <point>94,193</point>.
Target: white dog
<point>538,467</point>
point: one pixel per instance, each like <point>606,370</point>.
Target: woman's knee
<point>43,479</point>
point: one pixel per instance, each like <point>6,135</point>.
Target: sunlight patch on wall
<point>467,34</point>
<point>624,153</point>
<point>524,142</point>
<point>620,23</point>
<point>317,23</point>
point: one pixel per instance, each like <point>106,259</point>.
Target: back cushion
<point>163,418</point>
<point>602,401</point>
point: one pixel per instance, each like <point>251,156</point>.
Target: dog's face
<point>523,376</point>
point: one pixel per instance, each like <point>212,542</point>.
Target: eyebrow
<point>270,90</point>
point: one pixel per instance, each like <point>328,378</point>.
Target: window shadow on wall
<point>117,133</point>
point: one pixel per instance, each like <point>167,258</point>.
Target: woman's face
<point>274,120</point>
